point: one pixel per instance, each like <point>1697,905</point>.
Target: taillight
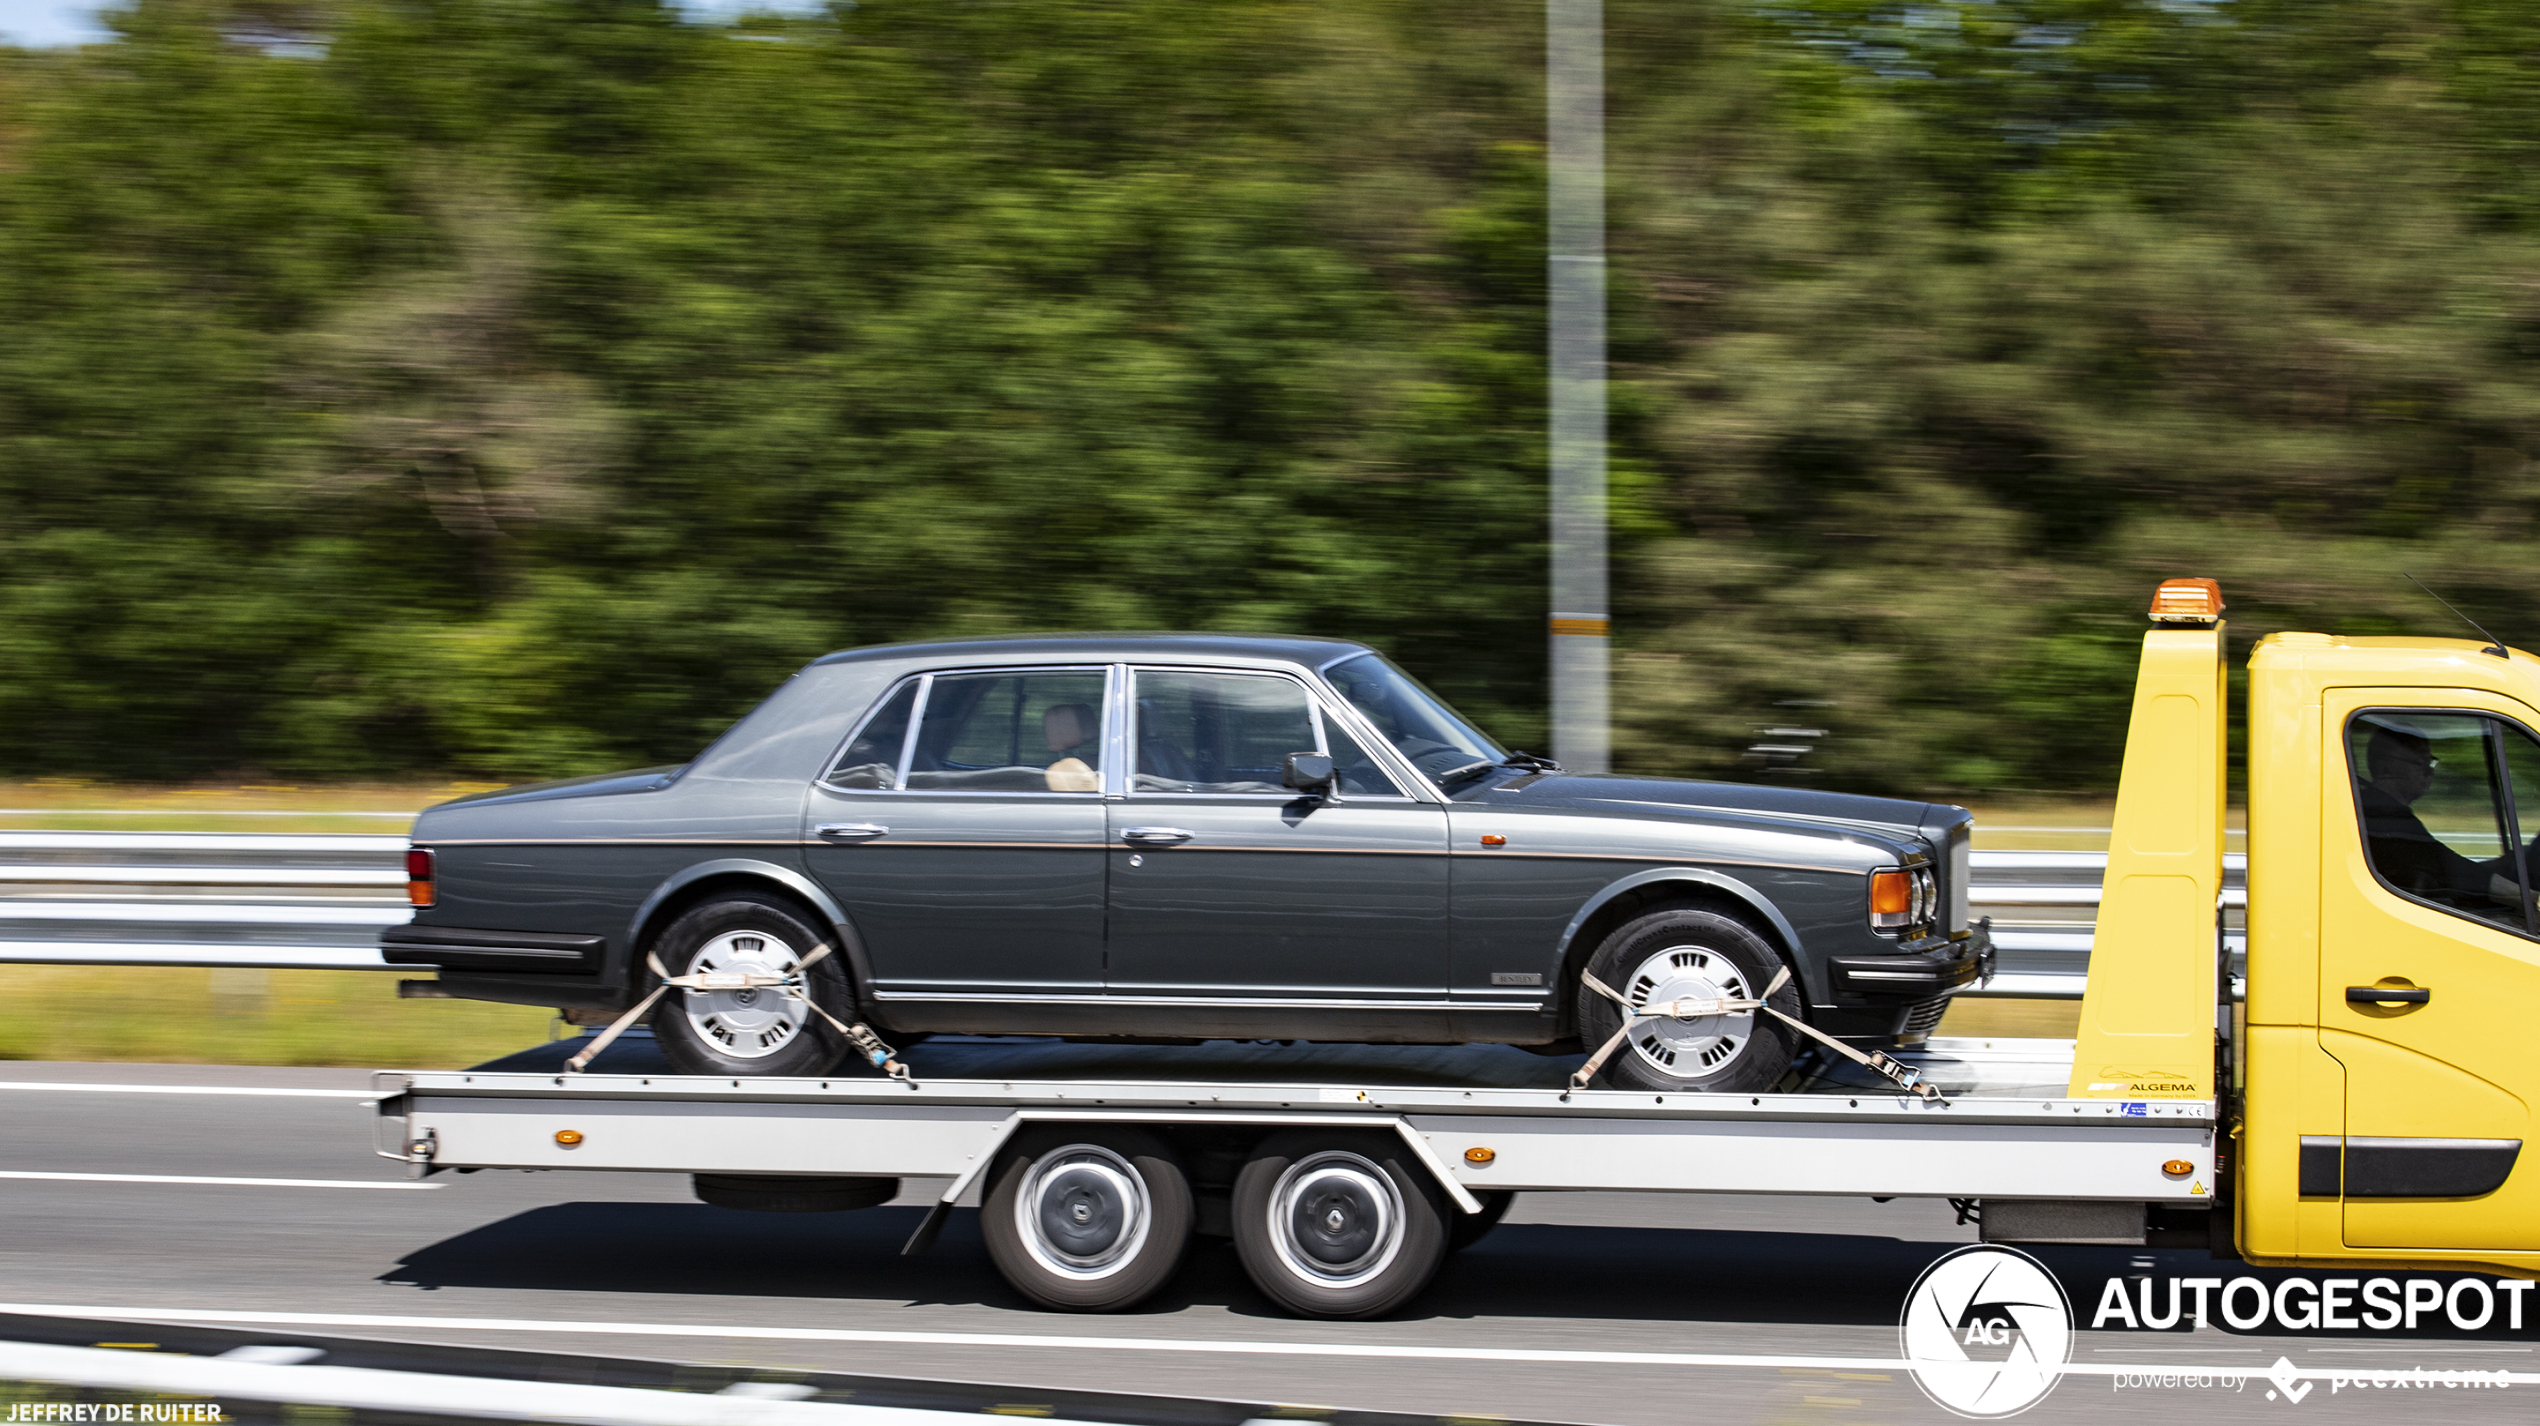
<point>1891,899</point>
<point>419,876</point>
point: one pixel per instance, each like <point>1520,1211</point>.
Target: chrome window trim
<point>1318,703</point>
<point>1378,745</point>
<point>917,719</point>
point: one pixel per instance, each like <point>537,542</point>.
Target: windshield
<point>1426,730</point>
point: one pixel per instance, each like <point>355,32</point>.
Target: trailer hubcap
<point>1336,1218</point>
<point>752,1022</point>
<point>1083,1212</point>
<point>1696,1047</point>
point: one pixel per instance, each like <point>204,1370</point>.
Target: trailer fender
<point>933,1224</point>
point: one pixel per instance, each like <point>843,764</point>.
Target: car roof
<point>1110,648</point>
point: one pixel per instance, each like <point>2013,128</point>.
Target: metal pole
<point>1574,72</point>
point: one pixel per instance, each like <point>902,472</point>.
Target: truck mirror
<point>1308,773</point>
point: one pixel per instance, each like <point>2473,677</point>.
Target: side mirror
<point>1308,772</point>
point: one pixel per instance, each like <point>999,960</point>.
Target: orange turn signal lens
<point>568,1137</point>
<point>419,876</point>
<point>1493,839</point>
<point>2178,1168</point>
<point>1477,1155</point>
<point>2187,601</point>
<point>1891,893</point>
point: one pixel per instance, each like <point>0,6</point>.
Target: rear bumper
<point>467,949</point>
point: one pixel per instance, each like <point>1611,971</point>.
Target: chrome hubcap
<point>1083,1212</point>
<point>1689,1049</point>
<point>753,1022</point>
<point>1335,1218</point>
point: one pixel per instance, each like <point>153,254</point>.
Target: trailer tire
<point>1463,1230</point>
<point>732,1034</point>
<point>1090,1219</point>
<point>1691,954</point>
<point>1338,1224</point>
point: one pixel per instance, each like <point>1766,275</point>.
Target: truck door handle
<point>2372,994</point>
<point>850,831</point>
<point>1155,836</point>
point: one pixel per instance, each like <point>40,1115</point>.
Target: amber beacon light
<point>2187,601</point>
<point>419,877</point>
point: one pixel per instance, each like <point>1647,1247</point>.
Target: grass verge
<point>182,1015</point>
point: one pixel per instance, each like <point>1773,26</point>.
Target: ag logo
<point>1988,1330</point>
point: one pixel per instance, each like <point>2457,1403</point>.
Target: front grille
<point>1954,894</point>
<point>1924,1017</point>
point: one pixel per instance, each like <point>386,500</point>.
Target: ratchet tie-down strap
<point>791,985</point>
<point>1905,1076</point>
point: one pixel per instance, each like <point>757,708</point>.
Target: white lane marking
<point>190,1089</point>
<point>406,1393</point>
<point>1119,1344</point>
<point>198,1178</point>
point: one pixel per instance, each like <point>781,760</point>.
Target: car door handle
<point>1155,836</point>
<point>851,831</point>
<point>2370,994</point>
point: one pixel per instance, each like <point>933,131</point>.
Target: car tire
<point>1685,953</point>
<point>1338,1224</point>
<point>764,1032</point>
<point>1090,1219</point>
<point>1463,1230</point>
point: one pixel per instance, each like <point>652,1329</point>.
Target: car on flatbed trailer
<point>2367,1106</point>
<point>1183,838</point>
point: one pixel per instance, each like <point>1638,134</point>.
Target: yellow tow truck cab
<point>2379,1070</point>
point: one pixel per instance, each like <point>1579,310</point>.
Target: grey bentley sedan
<point>1184,837</point>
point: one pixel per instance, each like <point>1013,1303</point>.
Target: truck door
<point>2430,969</point>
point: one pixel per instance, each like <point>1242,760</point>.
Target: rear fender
<point>644,924</point>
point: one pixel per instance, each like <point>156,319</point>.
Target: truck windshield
<point>1425,729</point>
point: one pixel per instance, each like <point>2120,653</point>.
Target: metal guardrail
<point>259,900</point>
<point>285,901</point>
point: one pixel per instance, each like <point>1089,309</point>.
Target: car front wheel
<point>758,1030</point>
<point>1685,954</point>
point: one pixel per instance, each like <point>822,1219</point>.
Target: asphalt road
<point>1586,1272</point>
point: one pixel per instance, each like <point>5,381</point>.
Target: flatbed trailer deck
<point>2004,1134</point>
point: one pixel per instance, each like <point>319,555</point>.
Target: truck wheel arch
<point>1622,900</point>
<point>694,884</point>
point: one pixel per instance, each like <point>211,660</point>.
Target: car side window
<point>871,759</point>
<point>1218,732</point>
<point>1010,732</point>
<point>2444,799</point>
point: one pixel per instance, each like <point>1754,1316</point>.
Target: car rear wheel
<point>1087,1220</point>
<point>1338,1225</point>
<point>1685,954</point>
<point>757,1030</point>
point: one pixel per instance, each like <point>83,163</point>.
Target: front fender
<point>1754,899</point>
<point>849,943</point>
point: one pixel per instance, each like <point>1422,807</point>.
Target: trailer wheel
<point>1689,955</point>
<point>1463,1230</point>
<point>1338,1224</point>
<point>1089,1219</point>
<point>756,1031</point>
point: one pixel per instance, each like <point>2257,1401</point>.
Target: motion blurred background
<point>425,389</point>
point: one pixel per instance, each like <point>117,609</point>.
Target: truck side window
<point>2442,822</point>
<point>871,758</point>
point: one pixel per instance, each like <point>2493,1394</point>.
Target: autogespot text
<point>2301,1304</point>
